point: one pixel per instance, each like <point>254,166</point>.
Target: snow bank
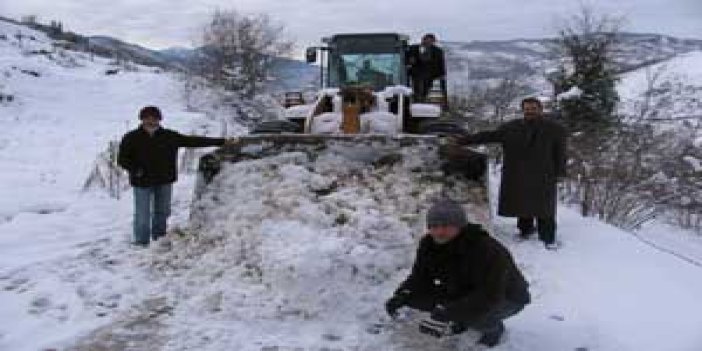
<point>323,238</point>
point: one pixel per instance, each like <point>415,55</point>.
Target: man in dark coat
<point>463,277</point>
<point>426,64</point>
<point>149,154</point>
<point>534,159</point>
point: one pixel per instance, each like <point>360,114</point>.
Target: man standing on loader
<point>425,65</point>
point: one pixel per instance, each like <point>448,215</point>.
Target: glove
<point>439,314</point>
<point>435,328</point>
<point>396,302</point>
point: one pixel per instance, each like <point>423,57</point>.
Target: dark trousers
<point>546,227</point>
<point>485,322</point>
<point>421,86</point>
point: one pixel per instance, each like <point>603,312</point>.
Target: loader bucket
<point>460,172</point>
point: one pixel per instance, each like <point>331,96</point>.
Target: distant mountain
<point>178,54</point>
<point>105,46</point>
<point>478,60</point>
<point>468,62</point>
<point>112,47</point>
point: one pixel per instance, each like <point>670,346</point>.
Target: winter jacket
<point>151,160</point>
<point>470,276</point>
<point>534,157</point>
<point>429,65</point>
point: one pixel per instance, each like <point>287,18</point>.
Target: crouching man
<point>463,277</point>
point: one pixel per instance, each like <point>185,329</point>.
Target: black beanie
<point>446,212</point>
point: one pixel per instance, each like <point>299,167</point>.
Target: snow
<point>572,93</point>
<point>532,45</point>
<point>298,111</point>
<point>51,234</point>
<point>274,269</point>
<point>680,77</point>
<point>425,110</point>
<point>327,123</point>
<point>379,123</point>
<point>694,163</point>
<point>396,90</point>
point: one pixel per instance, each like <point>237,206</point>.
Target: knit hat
<point>446,212</point>
<point>150,111</point>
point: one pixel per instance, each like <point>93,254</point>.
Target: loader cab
<point>372,60</point>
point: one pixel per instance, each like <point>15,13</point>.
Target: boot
<point>492,337</point>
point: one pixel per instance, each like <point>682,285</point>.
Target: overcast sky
<point>164,23</point>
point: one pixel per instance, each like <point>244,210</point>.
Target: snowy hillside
<point>474,62</point>
<point>672,89</point>
<point>480,60</point>
<point>272,276</point>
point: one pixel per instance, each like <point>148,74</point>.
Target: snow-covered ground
<point>69,279</point>
<point>674,87</point>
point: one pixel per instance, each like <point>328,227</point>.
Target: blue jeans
<point>152,206</point>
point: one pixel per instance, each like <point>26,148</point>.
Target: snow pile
<point>304,239</point>
<point>573,93</point>
<point>379,123</point>
<point>371,122</point>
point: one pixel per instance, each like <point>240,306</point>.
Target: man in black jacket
<point>463,277</point>
<point>426,64</point>
<point>534,159</point>
<point>149,154</point>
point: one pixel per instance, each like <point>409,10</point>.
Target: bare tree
<point>501,96</point>
<point>240,49</point>
<point>30,20</point>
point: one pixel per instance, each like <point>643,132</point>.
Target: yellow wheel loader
<point>363,112</point>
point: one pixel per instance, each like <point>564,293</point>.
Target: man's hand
<point>396,302</point>
<point>439,314</point>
